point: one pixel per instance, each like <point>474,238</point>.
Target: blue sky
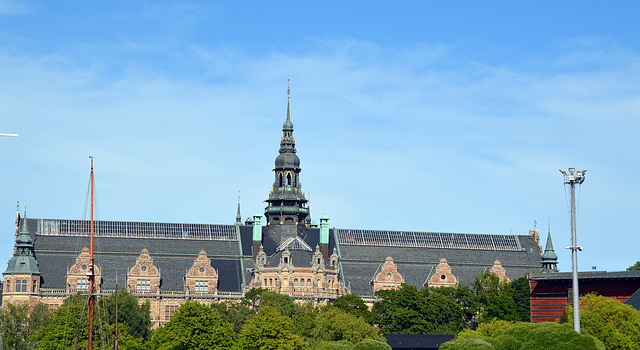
<point>423,116</point>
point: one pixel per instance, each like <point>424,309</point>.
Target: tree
<point>522,297</point>
<point>236,313</point>
<point>69,326</point>
<point>495,298</point>
<point>193,326</point>
<point>465,298</point>
<point>18,324</point>
<point>370,344</point>
<point>269,330</point>
<point>333,324</point>
<point>135,315</point>
<point>354,305</point>
<point>634,267</point>
<point>523,335</point>
<point>407,311</point>
<point>615,324</point>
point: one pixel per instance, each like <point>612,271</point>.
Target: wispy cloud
<point>12,7</point>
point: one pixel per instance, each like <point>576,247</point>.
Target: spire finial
<point>288,88</point>
<point>238,216</point>
<point>25,209</point>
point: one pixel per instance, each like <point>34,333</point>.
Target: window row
<point>21,286</point>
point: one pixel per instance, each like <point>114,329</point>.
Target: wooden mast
<point>91,266</point>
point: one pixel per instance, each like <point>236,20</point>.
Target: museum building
<point>170,263</point>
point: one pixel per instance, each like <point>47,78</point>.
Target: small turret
<point>549,257</point>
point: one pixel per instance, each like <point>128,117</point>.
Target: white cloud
<point>396,139</point>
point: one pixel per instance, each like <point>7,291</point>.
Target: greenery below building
<point>490,315</point>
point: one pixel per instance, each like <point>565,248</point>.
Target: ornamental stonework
<point>388,277</point>
<point>144,277</point>
<point>499,271</point>
<point>201,278</point>
<point>443,276</point>
<point>78,274</point>
<point>317,280</point>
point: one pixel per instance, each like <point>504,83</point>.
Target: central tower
<point>287,210</point>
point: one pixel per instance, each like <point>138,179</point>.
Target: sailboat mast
<point>91,266</point>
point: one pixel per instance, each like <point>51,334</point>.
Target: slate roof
<point>234,258</point>
<point>173,256</point>
<point>417,264</point>
<point>634,300</point>
<point>586,275</point>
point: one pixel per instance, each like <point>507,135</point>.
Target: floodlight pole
<point>572,179</point>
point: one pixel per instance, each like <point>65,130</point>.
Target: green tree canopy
<point>636,266</point>
<point>18,324</point>
<point>407,311</point>
<point>617,325</point>
<point>354,305</point>
<point>236,313</point>
<point>333,324</point>
<point>69,326</point>
<point>193,326</point>
<point>496,298</point>
<point>269,330</point>
<point>136,316</point>
<point>523,335</point>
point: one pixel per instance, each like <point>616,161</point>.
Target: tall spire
<point>287,204</point>
<point>238,216</point>
<point>549,257</point>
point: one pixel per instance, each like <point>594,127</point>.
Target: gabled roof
<point>634,300</point>
<point>294,243</point>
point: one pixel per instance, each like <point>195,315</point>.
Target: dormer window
<point>286,260</point>
<point>82,284</point>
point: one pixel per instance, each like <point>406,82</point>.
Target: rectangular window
<point>18,284</point>
<point>82,284</point>
<point>24,286</point>
<point>169,310</point>
<point>202,287</point>
<point>8,286</point>
<point>143,286</point>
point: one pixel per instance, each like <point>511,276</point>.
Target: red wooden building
<point>552,292</point>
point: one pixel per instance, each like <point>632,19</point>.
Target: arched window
<point>270,282</point>
<point>286,260</point>
<point>8,283</point>
<point>18,284</point>
<point>265,282</point>
<point>295,282</point>
<point>280,180</point>
<point>288,179</point>
<point>24,285</point>
<point>309,282</point>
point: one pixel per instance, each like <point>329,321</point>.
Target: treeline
<point>268,320</point>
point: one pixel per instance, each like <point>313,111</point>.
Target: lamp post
<point>572,178</point>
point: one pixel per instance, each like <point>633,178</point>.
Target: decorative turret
<point>287,208</point>
<point>549,257</point>
<point>22,277</point>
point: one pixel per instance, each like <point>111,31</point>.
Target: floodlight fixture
<point>572,180</point>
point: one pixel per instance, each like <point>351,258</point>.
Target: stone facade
<point>443,276</point>
<point>388,277</point>
<point>320,280</point>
